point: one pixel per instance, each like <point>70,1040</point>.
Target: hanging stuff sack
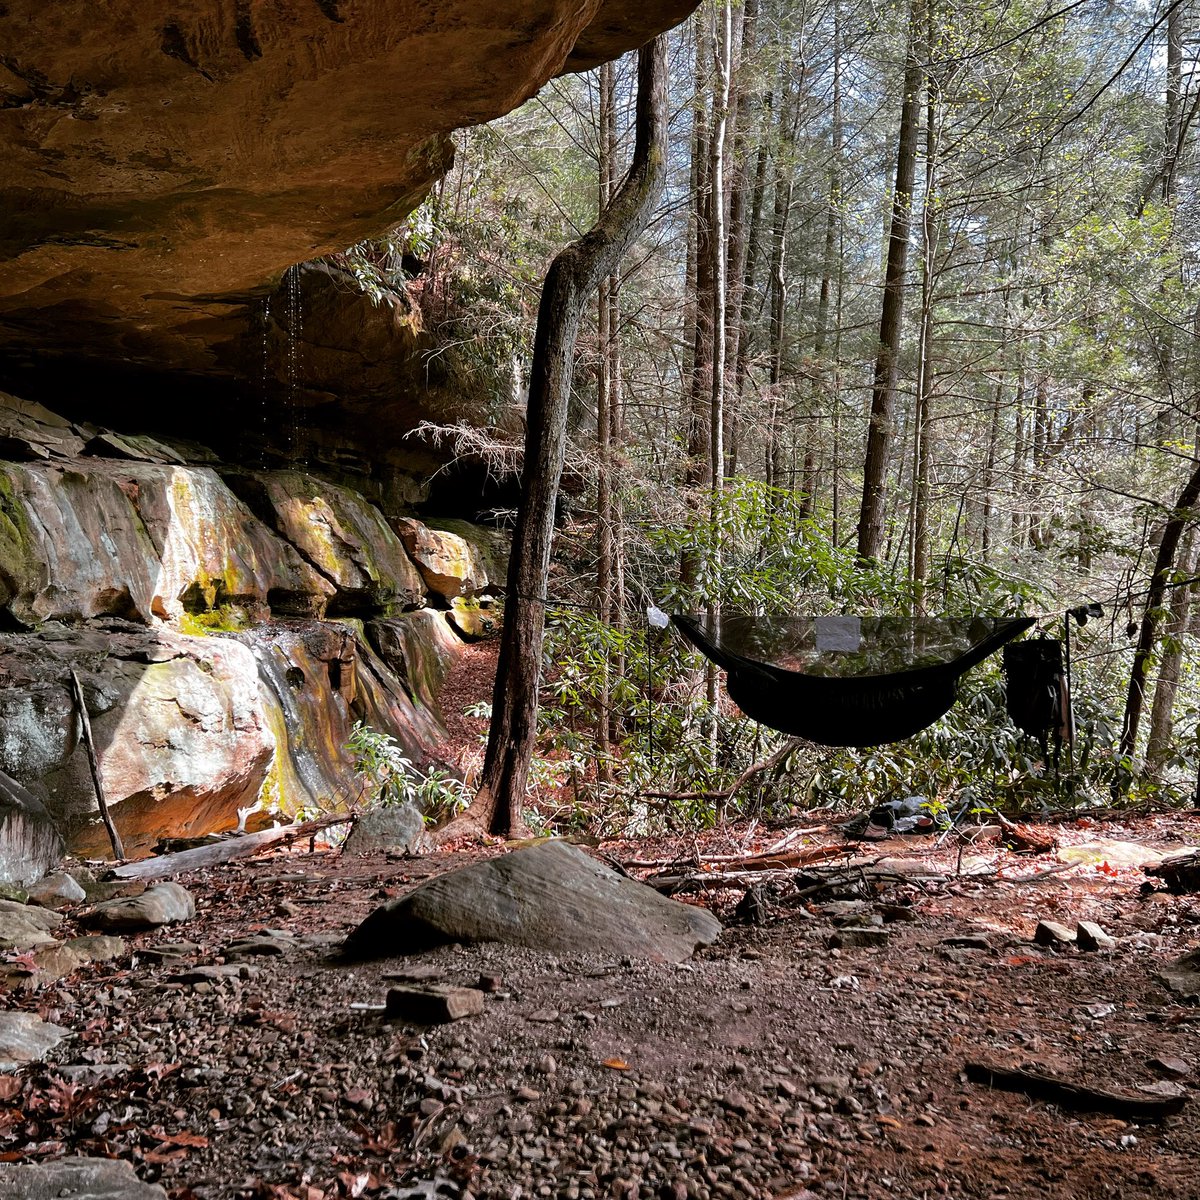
<point>1038,699</point>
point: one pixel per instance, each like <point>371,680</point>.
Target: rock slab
<point>30,844</point>
<point>75,1179</point>
<point>551,896</point>
<point>162,904</point>
<point>24,1039</point>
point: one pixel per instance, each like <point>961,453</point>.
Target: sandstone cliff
<point>228,626</point>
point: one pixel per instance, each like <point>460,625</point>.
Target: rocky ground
<point>773,1064</point>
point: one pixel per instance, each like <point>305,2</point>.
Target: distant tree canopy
<point>916,328</point>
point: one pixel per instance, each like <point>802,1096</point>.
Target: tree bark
<point>571,280</point>
<point>1164,563</point>
<point>883,393</point>
<point>1166,684</point>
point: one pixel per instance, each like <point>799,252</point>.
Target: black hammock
<point>867,708</point>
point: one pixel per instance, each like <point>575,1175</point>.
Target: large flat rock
<point>25,1039</point>
<point>551,897</point>
<point>75,1179</point>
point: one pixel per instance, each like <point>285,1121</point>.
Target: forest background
<point>914,332</point>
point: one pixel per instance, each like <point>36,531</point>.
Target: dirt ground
<point>771,1065</point>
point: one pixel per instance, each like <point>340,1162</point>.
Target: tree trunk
<point>785,184</point>
<point>740,215</point>
<point>1162,711</point>
<point>1164,564</point>
<point>607,347</point>
<point>923,420</point>
<point>698,303</point>
<point>883,393</point>
<point>571,280</point>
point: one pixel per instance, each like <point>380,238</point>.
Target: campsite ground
<point>771,1065</point>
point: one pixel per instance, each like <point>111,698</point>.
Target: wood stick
<point>90,745</point>
<point>1075,1096</point>
<point>756,768</point>
<point>235,847</point>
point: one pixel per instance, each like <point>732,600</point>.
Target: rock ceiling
<point>166,160</point>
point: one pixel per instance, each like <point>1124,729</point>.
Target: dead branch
<point>1075,1096</point>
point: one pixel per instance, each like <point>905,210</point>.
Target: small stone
<point>527,1094</point>
<point>98,947</point>
<point>97,1178</point>
<point>967,941</point>
<point>1090,936</point>
<point>833,1086</point>
<point>489,983</point>
<point>26,1039</point>
<point>433,1005</point>
<point>168,951</point>
<point>1052,933</point>
<point>258,947</point>
<point>205,974</point>
<point>1178,1068</point>
<point>547,1065</point>
<point>857,936</point>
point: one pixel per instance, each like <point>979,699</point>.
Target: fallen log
<point>1077,1097</point>
<point>162,866</point>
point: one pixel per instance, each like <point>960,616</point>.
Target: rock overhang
<point>167,160</point>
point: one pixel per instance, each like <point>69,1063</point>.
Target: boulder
<point>182,734</point>
<point>448,564</point>
<point>489,547</point>
<point>552,897</point>
<point>24,1039</point>
<point>97,947</point>
<point>41,966</point>
<point>141,540</point>
<point>317,679</point>
<point>75,1179</point>
<point>24,926</point>
<point>341,534</point>
<point>29,432</point>
<point>473,619</point>
<point>56,891</point>
<point>162,904</point>
<point>30,843</point>
<point>396,827</point>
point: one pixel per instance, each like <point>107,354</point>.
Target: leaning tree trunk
<point>1166,686</point>
<point>1164,564</point>
<point>570,282</point>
